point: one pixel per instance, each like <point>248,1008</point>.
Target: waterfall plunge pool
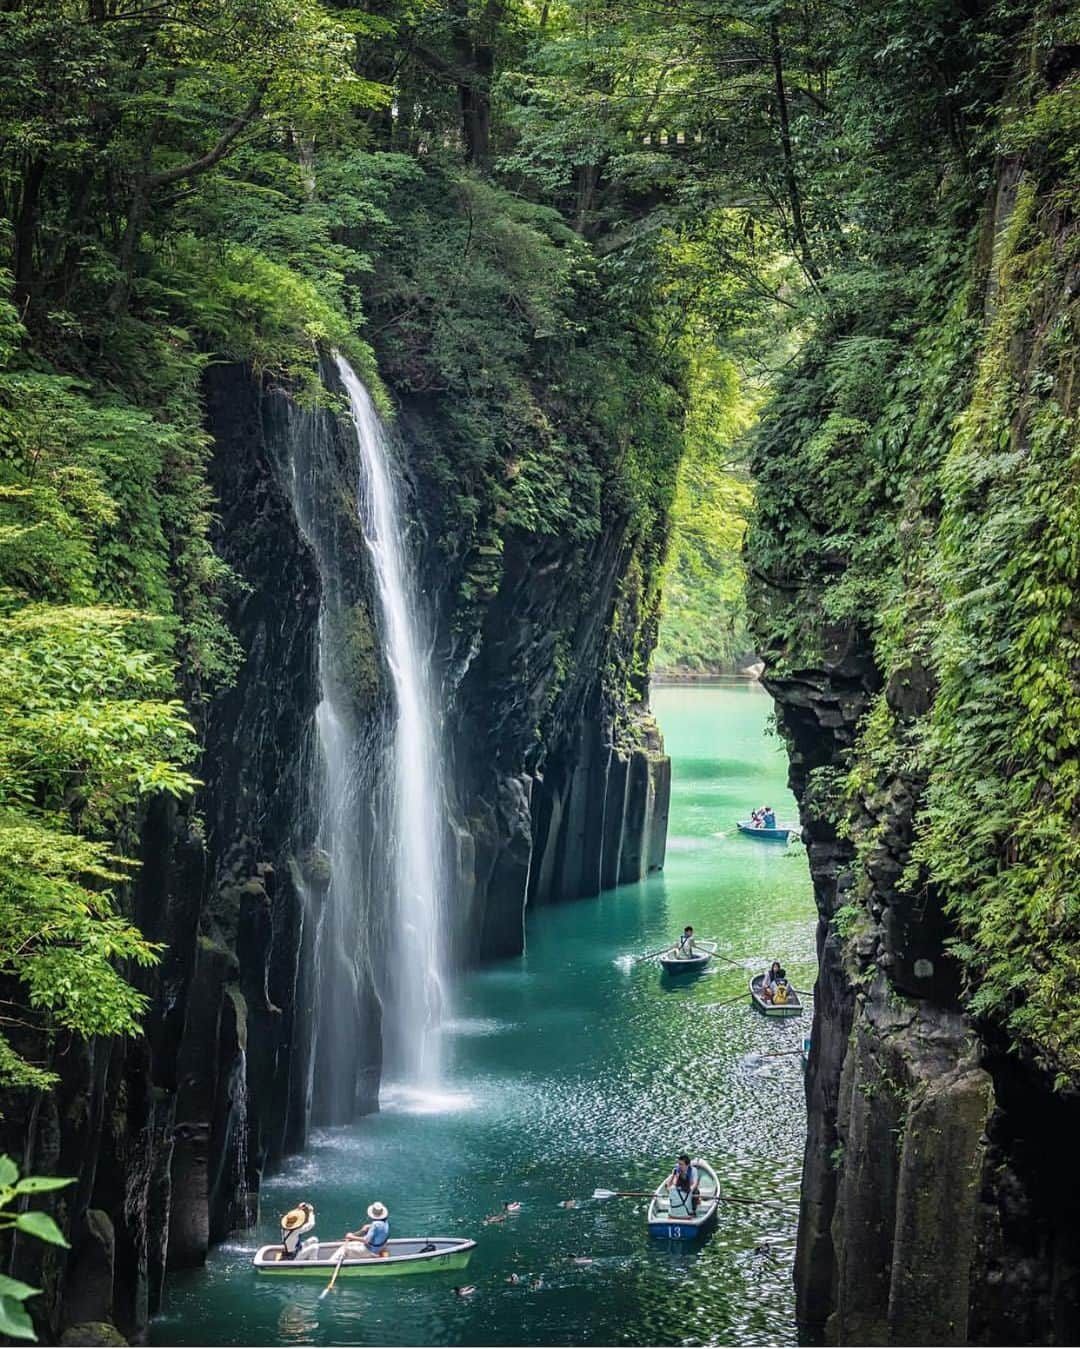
<point>569,1069</point>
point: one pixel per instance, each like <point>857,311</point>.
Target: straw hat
<point>296,1217</point>
<point>377,1211</point>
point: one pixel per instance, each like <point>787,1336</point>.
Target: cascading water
<point>244,1212</point>
<point>370,854</point>
<point>413,975</point>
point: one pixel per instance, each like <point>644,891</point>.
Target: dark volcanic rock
<point>88,1294</point>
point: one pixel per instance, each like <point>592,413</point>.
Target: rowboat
<point>671,1216</point>
<point>793,1007</point>
<point>780,834</point>
<point>675,963</point>
<point>408,1255</point>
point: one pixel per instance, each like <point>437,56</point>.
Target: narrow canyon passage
<point>566,1070</point>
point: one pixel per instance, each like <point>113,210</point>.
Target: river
<point>569,1069</point>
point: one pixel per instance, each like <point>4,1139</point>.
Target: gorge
<point>380,388</point>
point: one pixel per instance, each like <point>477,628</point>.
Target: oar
<point>722,1196</point>
<point>726,1003</point>
<point>337,1270</point>
<point>651,955</point>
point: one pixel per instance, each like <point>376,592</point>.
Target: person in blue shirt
<point>375,1234</point>
<point>768,818</point>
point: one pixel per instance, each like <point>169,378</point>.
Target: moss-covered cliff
<point>919,631</point>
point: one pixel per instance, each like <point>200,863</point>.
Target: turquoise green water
<point>570,1069</point>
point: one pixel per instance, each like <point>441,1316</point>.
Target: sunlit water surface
<point>570,1069</point>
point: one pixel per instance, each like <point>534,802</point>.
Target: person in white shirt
<point>295,1225</point>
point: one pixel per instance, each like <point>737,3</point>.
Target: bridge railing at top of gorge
<point>668,140</point>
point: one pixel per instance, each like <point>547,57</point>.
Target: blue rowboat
<point>780,834</point>
<point>671,1214</point>
<point>675,963</point>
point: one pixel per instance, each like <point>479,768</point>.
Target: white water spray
<point>414,949</point>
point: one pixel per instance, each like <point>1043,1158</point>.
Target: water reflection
<point>297,1324</point>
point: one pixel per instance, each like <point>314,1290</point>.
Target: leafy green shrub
<point>14,1321</point>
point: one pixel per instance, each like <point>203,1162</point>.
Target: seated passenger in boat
<point>685,944</point>
<point>374,1235</point>
<point>756,817</point>
<point>768,817</point>
<point>295,1225</point>
<point>780,997</point>
<point>684,1181</point>
<point>772,978</point>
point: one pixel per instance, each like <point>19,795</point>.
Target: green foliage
<point>917,475</point>
<point>86,731</point>
<point>1003,742</point>
<point>92,491</point>
<point>14,1321</point>
<point>549,414</point>
<point>703,624</point>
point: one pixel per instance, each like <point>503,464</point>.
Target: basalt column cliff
<point>926,685</point>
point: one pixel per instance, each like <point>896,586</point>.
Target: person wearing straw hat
<point>295,1225</point>
<point>375,1234</point>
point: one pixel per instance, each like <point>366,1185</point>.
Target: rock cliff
<point>938,1184</point>
<point>170,1134</point>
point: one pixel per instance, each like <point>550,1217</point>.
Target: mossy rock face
<point>355,663</point>
<point>92,1333</point>
<point>316,869</point>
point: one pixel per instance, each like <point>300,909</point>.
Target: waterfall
<point>413,956</point>
<point>243,1215</point>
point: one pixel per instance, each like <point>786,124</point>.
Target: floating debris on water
<point>465,1289</point>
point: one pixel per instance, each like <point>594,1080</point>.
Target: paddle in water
<point>648,1194</point>
<point>337,1270</point>
<point>651,955</point>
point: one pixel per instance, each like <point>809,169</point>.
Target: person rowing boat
<point>374,1235</point>
<point>686,1181</point>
